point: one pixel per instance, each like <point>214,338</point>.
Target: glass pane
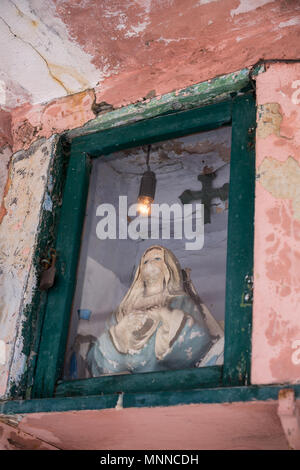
<point>143,303</point>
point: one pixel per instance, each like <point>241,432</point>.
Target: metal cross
<point>206,194</point>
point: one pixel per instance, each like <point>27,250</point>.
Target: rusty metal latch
<point>48,274</point>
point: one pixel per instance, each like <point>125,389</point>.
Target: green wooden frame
<point>45,334</point>
<point>238,111</point>
<point>146,399</point>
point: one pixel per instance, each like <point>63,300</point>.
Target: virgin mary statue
<point>160,324</point>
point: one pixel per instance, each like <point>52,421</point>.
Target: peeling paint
<point>5,156</point>
<point>12,420</point>
<point>205,2</point>
<point>41,37</point>
<point>269,120</point>
<point>277,230</point>
<point>282,180</point>
<point>48,204</point>
<point>248,5</point>
<point>18,232</point>
<point>140,45</point>
<point>119,405</point>
<point>207,92</point>
<point>31,123</point>
<point>13,438</point>
<point>291,22</point>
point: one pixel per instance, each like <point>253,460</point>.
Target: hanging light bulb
<point>147,189</point>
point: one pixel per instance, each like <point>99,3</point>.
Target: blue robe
<point>188,347</point>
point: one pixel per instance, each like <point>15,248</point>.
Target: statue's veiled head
<point>158,266</point>
<point>152,265</point>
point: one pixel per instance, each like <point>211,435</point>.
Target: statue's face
<point>152,265</point>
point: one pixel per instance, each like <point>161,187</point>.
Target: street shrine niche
<point>146,304</point>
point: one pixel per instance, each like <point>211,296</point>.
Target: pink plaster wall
<point>206,426</point>
<point>32,122</point>
<point>157,46</point>
<point>12,438</point>
<point>276,310</point>
<point>163,45</point>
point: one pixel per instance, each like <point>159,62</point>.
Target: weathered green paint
<point>213,395</point>
<point>34,312</point>
<point>154,130</point>
<point>55,328</point>
<point>149,399</point>
<point>148,382</point>
<point>258,69</point>
<point>194,96</point>
<point>129,127</point>
<point>238,317</point>
<point>44,405</point>
<point>51,354</point>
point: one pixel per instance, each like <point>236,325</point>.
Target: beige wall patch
<point>269,118</point>
<point>282,180</point>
